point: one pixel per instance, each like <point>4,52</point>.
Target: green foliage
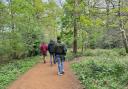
<point>86,20</point>
<point>70,55</point>
<point>10,71</point>
<point>23,23</point>
<point>102,27</point>
<point>104,70</point>
<point>103,52</point>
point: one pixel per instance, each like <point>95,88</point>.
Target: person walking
<point>60,51</point>
<point>51,46</point>
<point>44,49</point>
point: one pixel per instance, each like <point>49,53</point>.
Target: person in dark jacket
<point>60,52</point>
<point>51,46</point>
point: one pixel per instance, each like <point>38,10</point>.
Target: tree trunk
<point>125,41</point>
<point>12,15</point>
<point>82,48</point>
<point>75,37</point>
<point>107,11</point>
<point>75,28</point>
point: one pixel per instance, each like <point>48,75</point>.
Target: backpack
<point>65,50</point>
<point>59,48</point>
<point>51,48</point>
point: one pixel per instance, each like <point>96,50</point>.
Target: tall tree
<point>121,27</point>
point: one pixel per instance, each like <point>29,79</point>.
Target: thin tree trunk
<point>75,28</point>
<point>12,15</point>
<point>82,49</point>
<point>125,41</point>
<point>75,37</point>
<point>13,54</point>
<point>107,11</point>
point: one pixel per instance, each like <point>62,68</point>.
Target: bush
<point>100,52</point>
<point>10,71</point>
<point>105,70</point>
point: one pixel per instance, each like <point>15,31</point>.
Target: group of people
<point>57,51</point>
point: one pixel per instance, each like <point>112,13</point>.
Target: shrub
<point>105,70</point>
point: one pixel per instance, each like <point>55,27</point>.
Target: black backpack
<point>51,48</point>
<point>59,48</point>
<point>65,50</point>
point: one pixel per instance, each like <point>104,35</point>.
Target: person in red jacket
<point>44,49</point>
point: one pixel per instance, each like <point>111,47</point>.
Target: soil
<point>44,76</point>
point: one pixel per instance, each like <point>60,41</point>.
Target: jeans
<point>60,61</point>
<point>52,58</point>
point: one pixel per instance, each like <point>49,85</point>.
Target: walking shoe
<point>60,74</point>
<point>54,62</point>
<point>44,61</point>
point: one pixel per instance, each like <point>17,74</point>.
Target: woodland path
<point>43,76</point>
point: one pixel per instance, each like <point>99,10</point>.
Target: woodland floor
<point>44,76</point>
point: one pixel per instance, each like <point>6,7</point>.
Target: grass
<point>11,71</point>
<point>94,52</point>
<point>103,69</point>
<point>70,55</point>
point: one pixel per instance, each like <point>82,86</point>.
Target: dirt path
<point>43,76</point>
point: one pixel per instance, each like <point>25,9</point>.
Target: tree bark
<point>12,16</point>
<point>82,48</point>
<point>75,28</point>
<point>75,37</point>
<point>125,41</point>
<point>107,11</point>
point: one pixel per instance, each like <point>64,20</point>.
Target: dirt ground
<point>43,76</point>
